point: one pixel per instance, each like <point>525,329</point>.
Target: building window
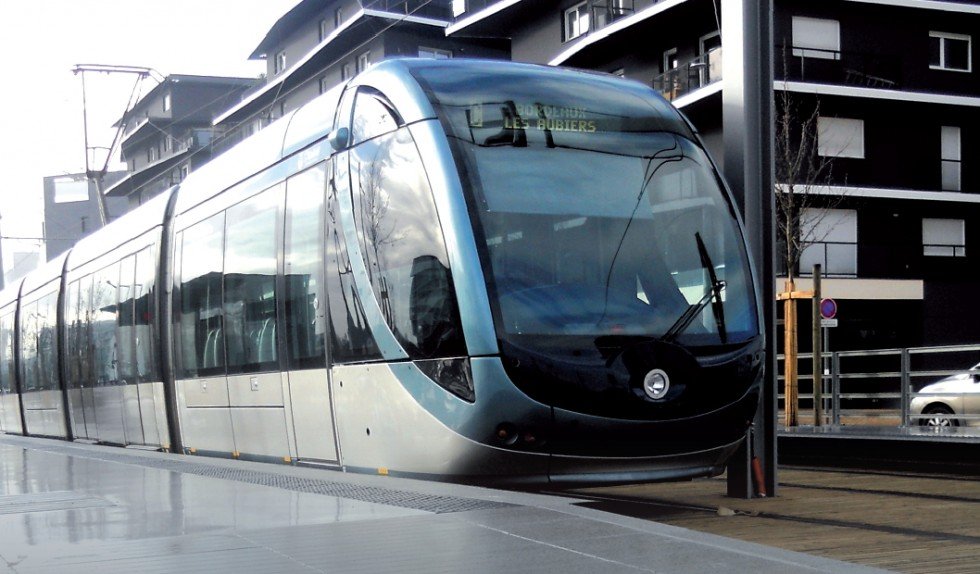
<point>830,239</point>
<point>621,72</point>
<point>434,53</point>
<point>168,144</point>
<point>324,29</point>
<point>68,190</point>
<point>709,42</point>
<point>152,154</point>
<point>949,52</point>
<point>816,38</point>
<point>950,158</point>
<point>345,72</point>
<point>840,137</point>
<point>324,84</point>
<point>944,237</point>
<point>338,17</point>
<point>280,63</point>
<point>166,102</point>
<point>576,21</point>
<point>459,7</point>
<point>184,171</point>
<point>363,61</point>
<point>669,61</point>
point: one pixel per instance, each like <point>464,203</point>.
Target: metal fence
<point>928,386</point>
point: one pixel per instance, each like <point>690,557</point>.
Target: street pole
<point>817,361</point>
<point>747,126</point>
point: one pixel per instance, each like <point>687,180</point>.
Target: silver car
<point>945,400</point>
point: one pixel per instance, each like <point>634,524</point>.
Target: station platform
<point>70,507</point>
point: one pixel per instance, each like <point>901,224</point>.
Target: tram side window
<point>7,384</point>
<point>28,347</point>
<point>373,116</point>
<point>251,250</point>
<point>124,324</point>
<point>47,337</point>
<point>351,339</point>
<point>201,335</point>
<point>403,247</point>
<point>81,353</point>
<point>304,296</point>
<point>104,344</point>
<point>71,334</point>
<point>144,308</point>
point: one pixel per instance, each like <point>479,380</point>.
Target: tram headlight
<point>656,383</point>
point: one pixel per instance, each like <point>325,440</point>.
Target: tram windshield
<point>598,213</point>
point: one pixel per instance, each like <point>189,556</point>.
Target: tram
<point>458,270</point>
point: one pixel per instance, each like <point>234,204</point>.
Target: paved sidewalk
<point>68,507</point>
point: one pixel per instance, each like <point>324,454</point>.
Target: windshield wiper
<point>713,295</point>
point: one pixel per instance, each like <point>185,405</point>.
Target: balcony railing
<point>601,12</point>
<point>835,67</point>
<point>440,9</point>
<point>690,76</point>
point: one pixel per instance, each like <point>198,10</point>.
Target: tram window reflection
<point>201,331</point>
<point>304,297</point>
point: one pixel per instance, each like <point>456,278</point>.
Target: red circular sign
<point>828,308</point>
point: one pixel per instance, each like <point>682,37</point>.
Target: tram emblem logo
<point>475,116</point>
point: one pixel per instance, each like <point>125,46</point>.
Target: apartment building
<point>893,92</point>
<point>319,44</point>
<point>169,132</point>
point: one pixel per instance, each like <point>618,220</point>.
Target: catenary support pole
<point>747,113</point>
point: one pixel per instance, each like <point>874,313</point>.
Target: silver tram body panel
<point>387,416</point>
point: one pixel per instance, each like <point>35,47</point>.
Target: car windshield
<point>598,213</point>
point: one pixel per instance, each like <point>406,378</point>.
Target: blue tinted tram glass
<point>304,298</point>
<point>373,116</point>
<point>589,194</point>
<point>144,316</point>
<point>103,326</point>
<point>351,339</point>
<point>200,332</point>
<point>7,380</point>
<point>251,255</point>
<point>402,245</point>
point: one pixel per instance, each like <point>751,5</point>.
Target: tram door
<point>306,316</point>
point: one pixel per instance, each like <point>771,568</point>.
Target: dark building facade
<point>169,132</point>
<point>319,44</point>
<point>894,94</point>
<point>71,210</point>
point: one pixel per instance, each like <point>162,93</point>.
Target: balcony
<point>438,9</point>
<point>601,13</point>
<point>882,71</point>
<point>690,76</point>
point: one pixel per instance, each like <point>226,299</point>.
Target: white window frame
<point>950,157</point>
<point>572,23</point>
<point>816,38</point>
<point>167,102</point>
<point>324,29</point>
<point>279,64</point>
<point>345,72</point>
<point>703,39</point>
<point>840,137</point>
<point>459,8</point>
<point>338,17</point>
<point>943,237</point>
<point>670,61</point>
<point>831,239</point>
<point>363,61</point>
<point>168,144</point>
<point>323,84</point>
<point>426,52</point>
<point>942,51</point>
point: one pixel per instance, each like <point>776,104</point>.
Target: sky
<point>41,126</point>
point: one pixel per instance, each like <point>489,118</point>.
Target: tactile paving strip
<point>400,498</point>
